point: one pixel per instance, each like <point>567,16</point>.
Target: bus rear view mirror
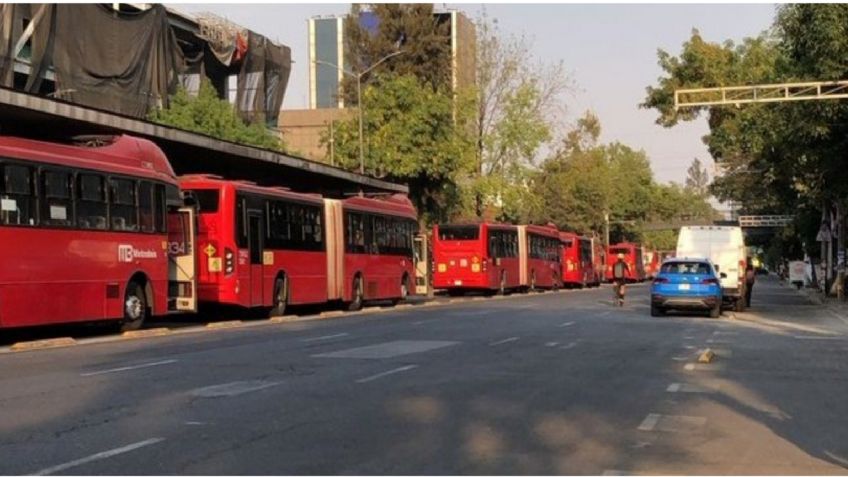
<point>722,275</point>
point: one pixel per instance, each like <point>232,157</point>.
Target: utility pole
<point>358,77</point>
<point>840,252</point>
<point>606,231</point>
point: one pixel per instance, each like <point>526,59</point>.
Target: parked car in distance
<point>687,284</point>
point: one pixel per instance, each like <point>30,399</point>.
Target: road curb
<point>146,333</point>
<point>43,344</point>
<point>217,325</point>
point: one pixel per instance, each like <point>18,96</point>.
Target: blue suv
<point>686,284</point>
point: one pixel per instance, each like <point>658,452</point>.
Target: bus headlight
<point>229,262</point>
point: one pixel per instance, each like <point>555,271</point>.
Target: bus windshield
<point>459,232</point>
<point>616,251</point>
<point>207,200</point>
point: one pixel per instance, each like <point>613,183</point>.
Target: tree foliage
<point>411,28</point>
<point>697,178</point>
<point>207,114</point>
<point>412,137</point>
<point>584,180</point>
<point>776,158</point>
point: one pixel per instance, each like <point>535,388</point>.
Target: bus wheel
<point>356,304</point>
<point>281,297</point>
<point>135,307</point>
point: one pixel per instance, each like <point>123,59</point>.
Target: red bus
<point>652,263</point>
<point>573,260</point>
<point>540,253</point>
<point>93,231</point>
<point>598,262</point>
<point>271,247</point>
<point>476,257</point>
<point>632,256</point>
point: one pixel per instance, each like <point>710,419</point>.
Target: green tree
<point>518,101</point>
<point>411,28</point>
<point>413,134</point>
<point>207,114</point>
<point>697,178</point>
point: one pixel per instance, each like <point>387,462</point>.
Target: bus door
<point>422,265</point>
<point>182,261</point>
<point>255,241</point>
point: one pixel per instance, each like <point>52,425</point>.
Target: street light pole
<point>358,77</point>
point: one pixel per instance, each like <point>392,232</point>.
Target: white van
<point>725,247</point>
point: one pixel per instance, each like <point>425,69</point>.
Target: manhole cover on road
<point>233,389</point>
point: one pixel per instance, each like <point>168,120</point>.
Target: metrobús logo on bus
<point>127,253</point>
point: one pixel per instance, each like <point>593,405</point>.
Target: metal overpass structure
<point>760,93</point>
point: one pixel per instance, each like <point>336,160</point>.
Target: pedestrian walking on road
<point>750,278</point>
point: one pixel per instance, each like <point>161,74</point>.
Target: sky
<point>610,51</point>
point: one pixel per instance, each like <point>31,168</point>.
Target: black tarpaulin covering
<point>263,79</point>
<point>127,63</point>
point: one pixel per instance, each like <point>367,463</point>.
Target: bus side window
<point>160,208</point>
<point>91,204</point>
<point>146,216</point>
<point>17,202</point>
<point>56,201</point>
<point>123,211</point>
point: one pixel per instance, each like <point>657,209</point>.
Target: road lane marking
<point>805,337</point>
<point>649,423</point>
<point>567,323</point>
<point>325,337</point>
<point>687,388</point>
<point>680,358</point>
<point>387,373</point>
<point>234,388</point>
<point>99,456</point>
<point>470,312</point>
<point>507,340</point>
<point>389,349</point>
<point>551,344</point>
<point>689,367</point>
<point>130,368</point>
<point>569,345</point>
<point>670,423</point>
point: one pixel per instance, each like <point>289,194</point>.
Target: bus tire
<point>281,296</point>
<point>134,307</point>
<point>358,295</point>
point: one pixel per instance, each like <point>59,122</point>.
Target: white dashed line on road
<point>687,388</point>
<point>689,367</point>
<point>827,338</point>
<point>667,423</point>
<point>649,423</point>
<point>551,344</point>
<point>234,388</point>
<point>325,337</point>
<point>387,373</point>
<point>100,456</point>
<point>567,323</point>
<point>569,345</point>
<point>503,341</point>
<point>130,368</point>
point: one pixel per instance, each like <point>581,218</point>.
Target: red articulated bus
<point>652,263</point>
<point>271,247</point>
<point>573,271</point>
<point>540,253</point>
<point>93,231</point>
<point>598,262</point>
<point>632,256</point>
<point>476,257</point>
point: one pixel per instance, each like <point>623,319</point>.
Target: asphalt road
<point>556,383</point>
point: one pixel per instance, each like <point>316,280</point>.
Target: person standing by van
<point>750,278</point>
